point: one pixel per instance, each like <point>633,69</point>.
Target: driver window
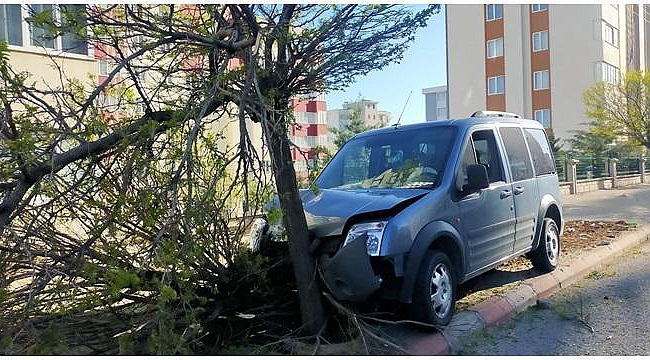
<point>481,149</point>
<point>487,153</point>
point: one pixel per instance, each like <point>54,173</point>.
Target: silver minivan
<point>409,212</point>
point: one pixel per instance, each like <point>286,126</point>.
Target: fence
<point>592,173</point>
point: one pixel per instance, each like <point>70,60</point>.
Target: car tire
<point>546,256</point>
<point>434,295</point>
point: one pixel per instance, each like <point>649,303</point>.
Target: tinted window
<point>481,150</point>
<point>487,153</point>
<point>413,158</point>
<point>469,158</point>
<point>540,151</point>
<point>517,153</point>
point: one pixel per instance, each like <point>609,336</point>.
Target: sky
<point>423,66</point>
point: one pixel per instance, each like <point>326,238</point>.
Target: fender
<point>424,239</point>
<point>545,203</point>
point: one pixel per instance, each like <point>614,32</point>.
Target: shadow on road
<point>494,279</point>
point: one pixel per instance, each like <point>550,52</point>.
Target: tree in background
<point>599,142</point>
<point>556,145</point>
<point>621,109</point>
<point>355,125</point>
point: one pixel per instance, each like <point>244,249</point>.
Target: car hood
<point>327,210</point>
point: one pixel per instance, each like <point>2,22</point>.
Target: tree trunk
<point>304,265</point>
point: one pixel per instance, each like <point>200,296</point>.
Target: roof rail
<point>488,113</point>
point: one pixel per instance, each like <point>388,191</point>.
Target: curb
<point>500,308</point>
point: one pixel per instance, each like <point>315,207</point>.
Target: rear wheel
<point>547,254</point>
<point>434,296</point>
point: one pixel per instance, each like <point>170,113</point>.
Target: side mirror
<point>477,178</point>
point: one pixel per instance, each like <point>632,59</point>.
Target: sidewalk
<point>630,204</point>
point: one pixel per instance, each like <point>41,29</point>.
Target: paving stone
<point>521,298</point>
<point>462,324</point>
<point>544,285</point>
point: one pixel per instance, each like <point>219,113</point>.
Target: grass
<point>479,337</point>
<point>600,274</point>
<point>637,250</point>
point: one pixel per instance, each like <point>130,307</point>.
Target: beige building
<point>368,111</point>
<point>537,60</point>
<point>28,52</point>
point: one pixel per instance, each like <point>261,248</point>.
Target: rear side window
<point>540,151</point>
<point>517,153</point>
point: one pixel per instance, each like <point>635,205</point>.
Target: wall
<point>43,72</point>
<point>574,29</point>
<point>465,59</point>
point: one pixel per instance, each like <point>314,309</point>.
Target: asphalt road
<point>630,204</point>
<point>615,302</point>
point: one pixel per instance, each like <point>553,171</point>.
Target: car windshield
<point>406,158</point>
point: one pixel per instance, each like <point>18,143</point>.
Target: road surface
<point>630,203</point>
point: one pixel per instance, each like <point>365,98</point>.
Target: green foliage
<point>274,215</point>
<point>556,145</point>
<point>167,294</point>
<point>622,109</point>
<point>118,279</point>
<point>49,343</point>
<point>598,143</point>
<point>4,294</point>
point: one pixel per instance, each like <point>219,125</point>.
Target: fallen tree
<point>118,194</point>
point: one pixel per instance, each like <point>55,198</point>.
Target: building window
<point>103,67</point>
<point>539,7</point>
<point>540,80</point>
<point>495,48</point>
<point>37,35</point>
<point>72,42</point>
<point>610,34</point>
<point>494,11</point>
<point>496,85</point>
<point>441,99</point>
<point>16,30</point>
<point>540,40</point>
<point>543,116</point>
<point>441,113</point>
<point>610,73</point>
<point>10,24</point>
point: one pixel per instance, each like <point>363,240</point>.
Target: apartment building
<point>369,113</point>
<point>435,103</point>
<point>536,60</point>
<point>308,131</point>
<point>29,51</point>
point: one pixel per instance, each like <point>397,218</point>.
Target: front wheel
<point>434,296</point>
<point>547,254</point>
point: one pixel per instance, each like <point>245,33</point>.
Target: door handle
<point>519,190</point>
<point>505,194</point>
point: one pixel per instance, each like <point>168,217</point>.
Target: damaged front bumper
<point>349,274</point>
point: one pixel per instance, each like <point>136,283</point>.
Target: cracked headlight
<point>375,232</point>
